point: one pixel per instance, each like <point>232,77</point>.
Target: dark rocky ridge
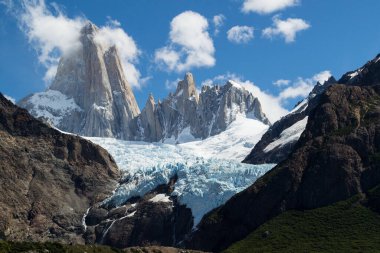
<point>336,157</point>
<point>48,179</point>
<point>280,153</point>
<point>367,75</point>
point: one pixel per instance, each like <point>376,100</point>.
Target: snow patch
<point>290,134</point>
<point>301,106</point>
<point>354,74</point>
<point>234,143</point>
<point>160,198</point>
<point>186,136</point>
<point>52,105</point>
<point>235,84</point>
<point>131,214</point>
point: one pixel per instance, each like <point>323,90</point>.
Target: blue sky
<point>335,36</point>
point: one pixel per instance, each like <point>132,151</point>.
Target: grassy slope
<point>346,226</point>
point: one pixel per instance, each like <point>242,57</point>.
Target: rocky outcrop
<point>367,75</point>
<point>90,95</point>
<point>278,142</point>
<point>154,219</point>
<point>196,115</point>
<point>48,179</point>
<point>336,157</point>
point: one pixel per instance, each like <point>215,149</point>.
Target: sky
<point>277,48</point>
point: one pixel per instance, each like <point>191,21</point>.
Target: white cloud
<point>218,21</point>
<point>50,34</point>
<point>113,22</point>
<point>271,105</point>
<point>240,34</point>
<point>10,98</point>
<point>303,86</point>
<point>50,73</point>
<point>267,6</point>
<point>190,44</point>
<point>286,28</point>
<point>53,35</point>
<point>170,85</point>
<point>281,83</point>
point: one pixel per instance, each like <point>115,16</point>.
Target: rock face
<point>278,142</point>
<point>188,115</point>
<point>90,95</point>
<point>48,179</point>
<point>154,219</point>
<point>336,157</point>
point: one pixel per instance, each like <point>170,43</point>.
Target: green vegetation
<point>48,247</point>
<point>347,226</point>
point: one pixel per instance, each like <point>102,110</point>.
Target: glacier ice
<point>204,182</point>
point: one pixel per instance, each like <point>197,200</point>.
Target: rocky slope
<point>187,115</point>
<point>48,179</point>
<point>278,142</point>
<point>90,95</point>
<point>154,219</point>
<point>336,157</point>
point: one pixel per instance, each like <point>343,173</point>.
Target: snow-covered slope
<point>205,180</point>
<point>277,143</point>
<point>291,134</point>
<point>234,143</point>
<point>52,106</point>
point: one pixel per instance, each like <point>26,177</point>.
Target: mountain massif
<point>90,96</point>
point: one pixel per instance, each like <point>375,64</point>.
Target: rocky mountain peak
<point>187,88</point>
<point>89,28</point>
<point>150,101</point>
<point>92,79</point>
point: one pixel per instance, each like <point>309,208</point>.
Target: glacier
<point>207,175</point>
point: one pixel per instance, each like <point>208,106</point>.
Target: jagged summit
<point>92,82</point>
<point>187,115</point>
<point>186,88</point>
<point>89,28</point>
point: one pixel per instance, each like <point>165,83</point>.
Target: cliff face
<point>336,157</point>
<point>49,179</point>
<point>90,95</point>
